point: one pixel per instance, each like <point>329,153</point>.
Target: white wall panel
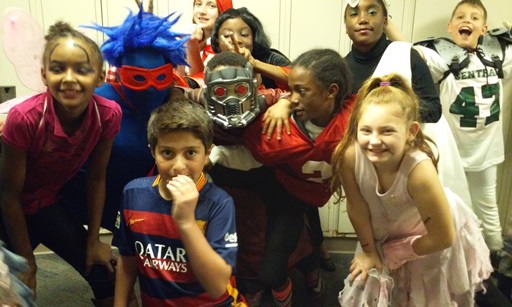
<point>47,12</point>
<point>8,76</point>
<point>315,25</point>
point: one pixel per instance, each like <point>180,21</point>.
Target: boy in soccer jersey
<point>177,231</point>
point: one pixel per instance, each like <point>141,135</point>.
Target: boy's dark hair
<point>260,41</point>
<point>62,30</point>
<point>326,66</point>
<point>473,3</point>
<point>180,115</point>
<point>226,58</point>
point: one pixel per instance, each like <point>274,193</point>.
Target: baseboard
<point>105,236</point>
<point>340,245</point>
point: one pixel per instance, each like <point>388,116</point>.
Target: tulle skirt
<point>446,278</point>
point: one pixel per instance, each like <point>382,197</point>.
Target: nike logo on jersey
<point>133,221</point>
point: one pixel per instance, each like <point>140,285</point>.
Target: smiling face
<point>205,13</point>
<point>310,101</point>
<point>71,72</point>
<point>179,152</point>
<point>241,31</point>
<point>466,25</point>
<point>365,23</point>
<point>383,134</point>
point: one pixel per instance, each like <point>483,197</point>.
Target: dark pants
<point>315,227</point>
<point>65,235</point>
<point>285,218</point>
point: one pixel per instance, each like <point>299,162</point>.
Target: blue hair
<point>146,31</point>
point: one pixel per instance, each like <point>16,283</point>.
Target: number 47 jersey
<point>472,103</point>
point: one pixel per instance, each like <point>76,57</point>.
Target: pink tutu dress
<point>446,278</point>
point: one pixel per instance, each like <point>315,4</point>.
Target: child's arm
<point>427,192</point>
<point>97,251</point>
<point>194,50</point>
<point>12,179</point>
<point>274,72</point>
<point>212,271</point>
<point>393,33</point>
<point>359,215</point>
<point>126,274</point>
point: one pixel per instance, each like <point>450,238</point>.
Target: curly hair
<point>62,29</point>
<point>327,67</point>
<point>261,42</point>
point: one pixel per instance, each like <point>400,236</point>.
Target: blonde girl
<point>419,243</point>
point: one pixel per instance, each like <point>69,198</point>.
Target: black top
<point>363,64</point>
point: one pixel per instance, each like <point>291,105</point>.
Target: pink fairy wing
<point>23,41</point>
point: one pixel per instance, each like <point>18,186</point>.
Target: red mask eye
<point>241,89</point>
<point>219,91</point>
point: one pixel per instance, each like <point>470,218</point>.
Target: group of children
<point>419,243</point>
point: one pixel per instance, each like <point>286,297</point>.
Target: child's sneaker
<point>253,299</point>
<point>314,283</point>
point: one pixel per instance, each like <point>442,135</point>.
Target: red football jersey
<point>303,166</point>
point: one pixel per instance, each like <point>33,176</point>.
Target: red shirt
<point>303,166</point>
<point>53,157</point>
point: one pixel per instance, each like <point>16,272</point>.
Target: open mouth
<point>465,31</point>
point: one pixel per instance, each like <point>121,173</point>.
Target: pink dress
<point>446,278</point>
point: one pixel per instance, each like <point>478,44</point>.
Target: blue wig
<point>144,31</point>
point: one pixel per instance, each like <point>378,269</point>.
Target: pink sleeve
<point>18,131</point>
<point>111,115</point>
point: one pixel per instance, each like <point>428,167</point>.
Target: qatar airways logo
<point>162,257</point>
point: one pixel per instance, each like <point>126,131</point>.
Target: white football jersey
<point>472,104</point>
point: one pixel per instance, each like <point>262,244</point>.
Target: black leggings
<point>285,218</point>
<point>61,232</point>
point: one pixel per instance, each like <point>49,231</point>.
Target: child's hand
<point>362,263</point>
<point>98,253</point>
<point>234,47</point>
<point>275,117</point>
<point>29,277</point>
<point>14,292</point>
<point>184,199</point>
<point>196,33</point>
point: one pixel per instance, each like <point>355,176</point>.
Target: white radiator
<point>334,219</point>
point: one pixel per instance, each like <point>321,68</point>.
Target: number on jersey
<point>465,105</point>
